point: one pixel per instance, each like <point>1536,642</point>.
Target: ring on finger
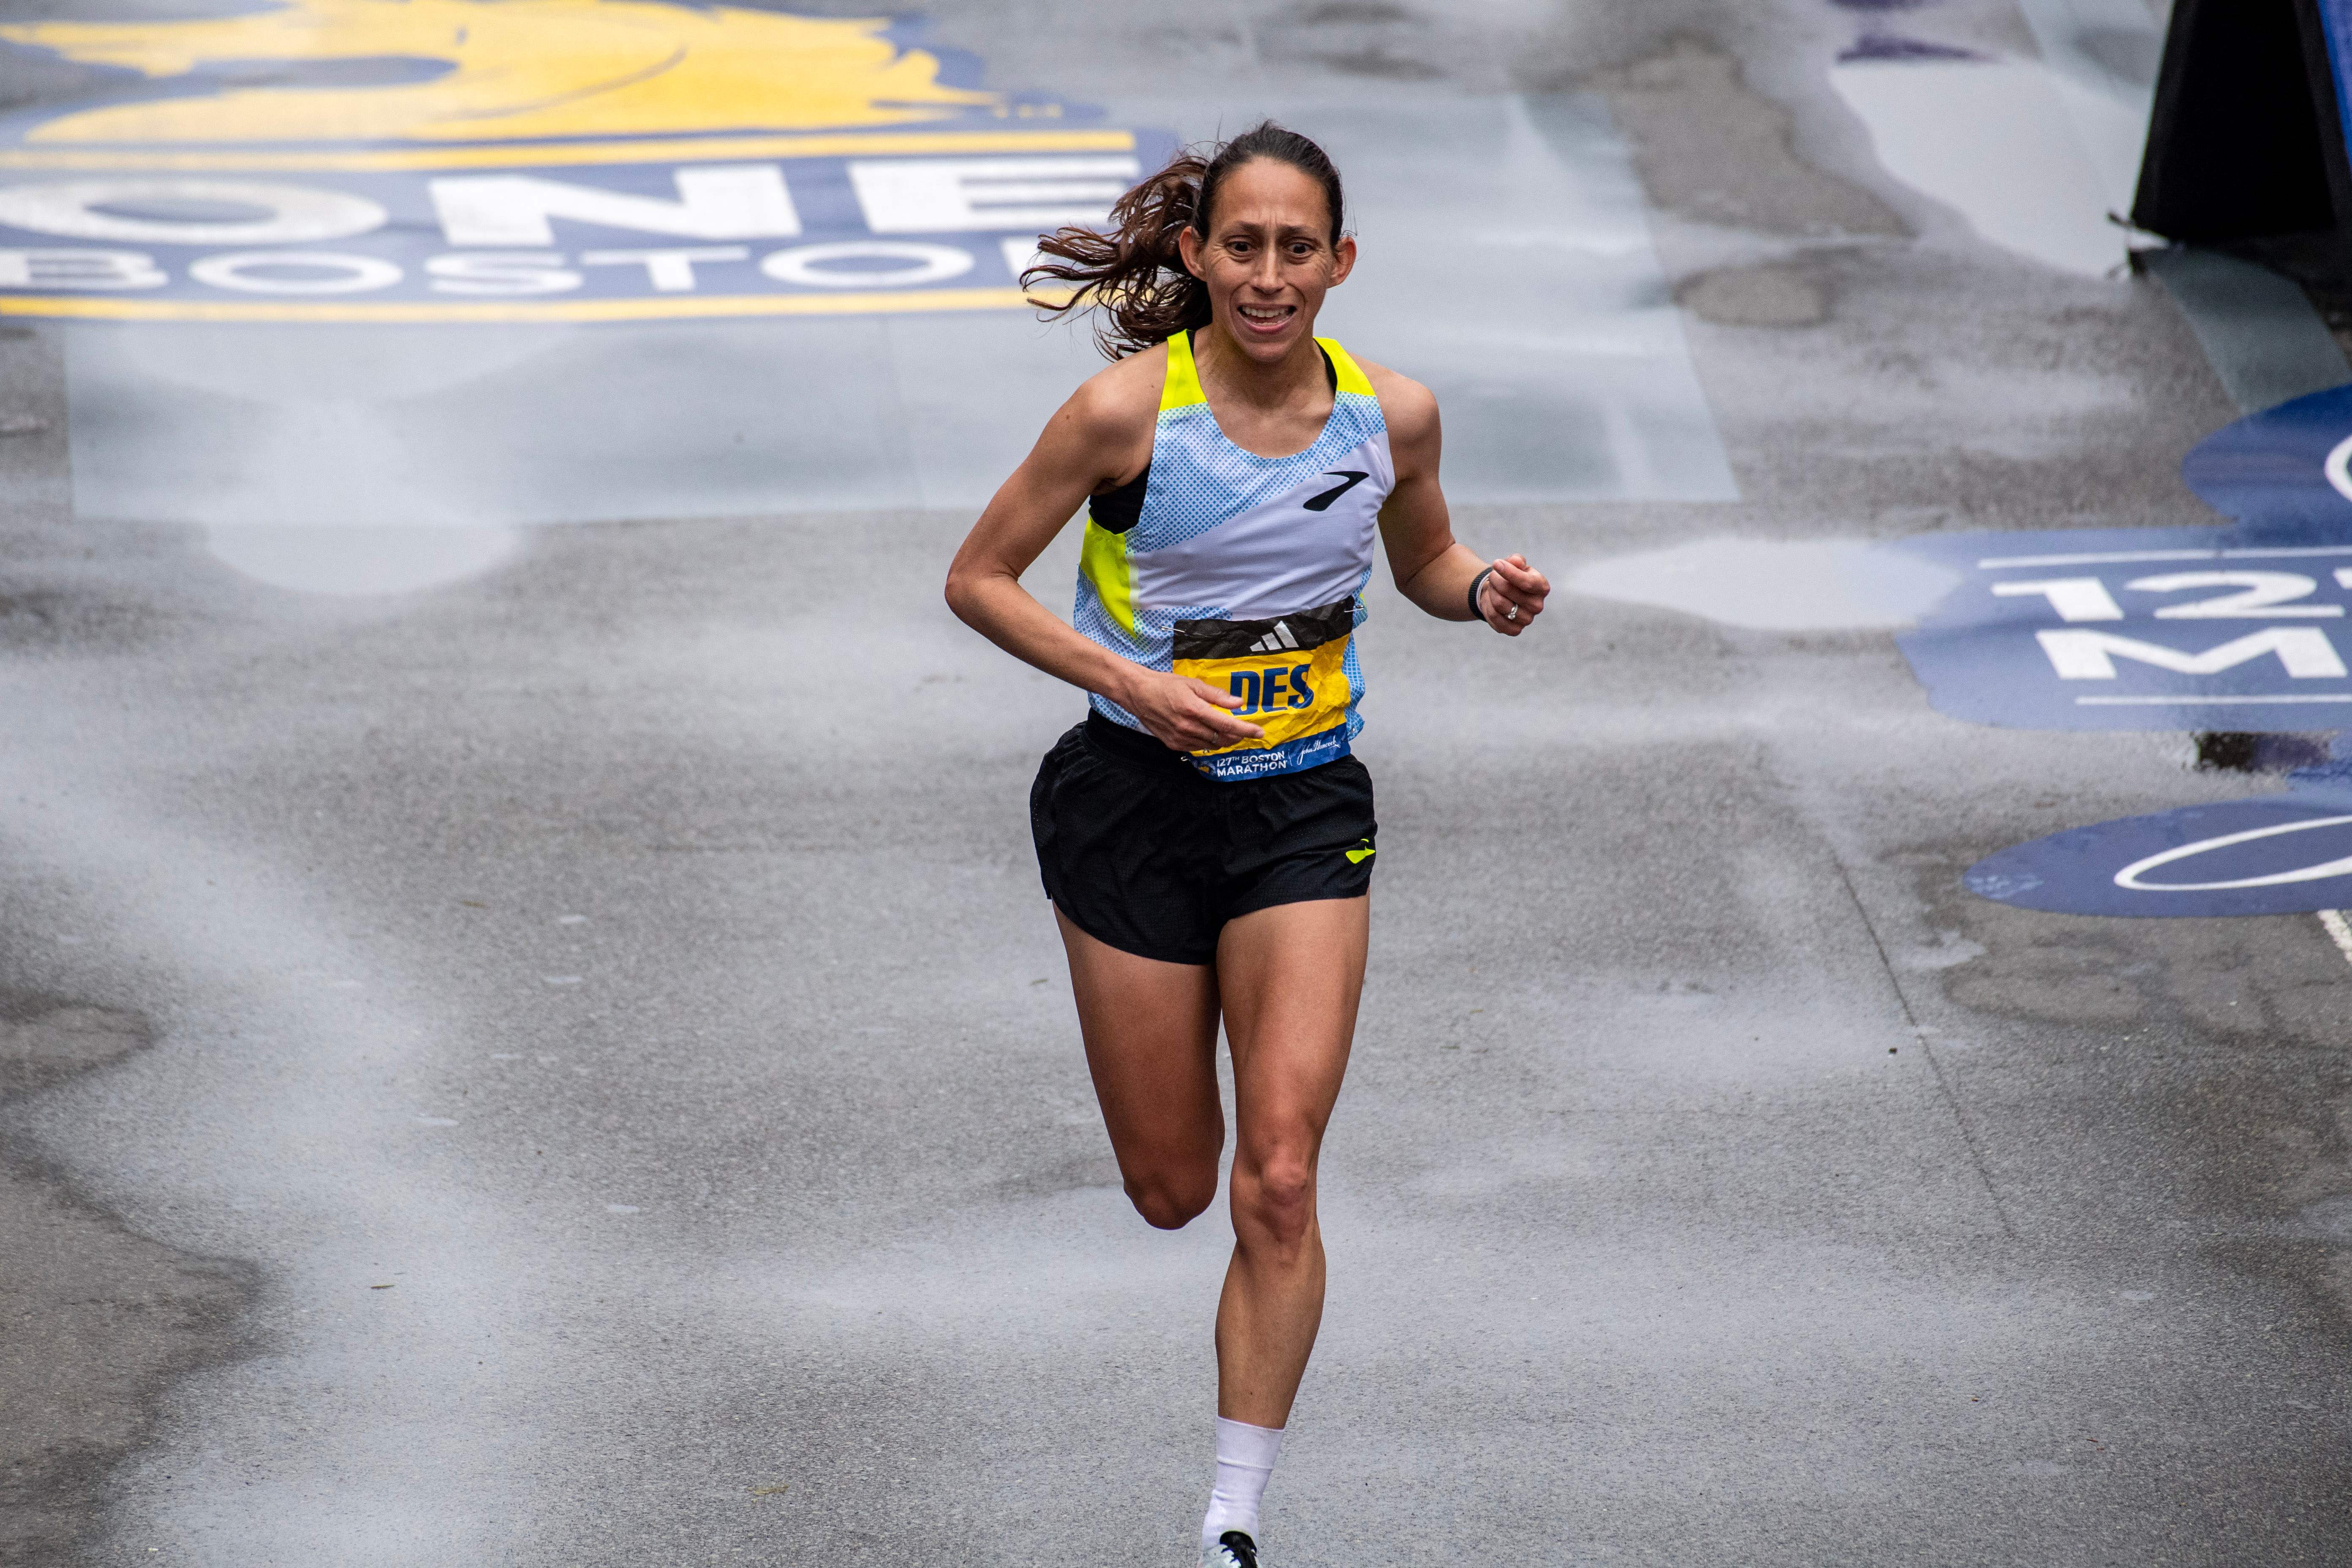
<point>1511,612</point>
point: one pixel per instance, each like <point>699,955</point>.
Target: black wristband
<point>1476,584</point>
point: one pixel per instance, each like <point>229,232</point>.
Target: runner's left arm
<point>1432,568</point>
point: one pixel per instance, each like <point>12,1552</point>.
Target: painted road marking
<point>2340,931</point>
<point>864,231</point>
<point>695,308</point>
<point>2132,875</point>
<point>2251,854</point>
<point>509,184</point>
<point>2016,651</point>
<point>2093,558</point>
<point>2099,558</point>
<point>2283,472</point>
<point>700,149</point>
<point>2338,468</point>
<point>494,70</point>
<point>2275,469</point>
<point>2200,701</point>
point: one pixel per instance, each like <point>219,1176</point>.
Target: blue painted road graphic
<point>2138,629</point>
<point>2285,474</point>
<point>2288,854</point>
<point>2233,627</point>
<point>2237,627</point>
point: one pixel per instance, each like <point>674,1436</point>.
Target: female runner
<point>1205,837</point>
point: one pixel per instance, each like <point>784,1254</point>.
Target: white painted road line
<point>2198,702</point>
<point>2340,931</point>
<point>1993,563</point>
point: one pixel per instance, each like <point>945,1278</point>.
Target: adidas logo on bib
<point>1278,640</point>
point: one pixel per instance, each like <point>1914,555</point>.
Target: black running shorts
<point>1141,850</point>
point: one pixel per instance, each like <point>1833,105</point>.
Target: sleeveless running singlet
<point>1245,572</point>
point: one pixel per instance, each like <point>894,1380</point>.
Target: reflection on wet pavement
<point>1820,584</point>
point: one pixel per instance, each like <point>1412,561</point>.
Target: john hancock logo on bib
<point>531,160</point>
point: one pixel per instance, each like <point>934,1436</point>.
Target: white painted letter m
<point>2091,656</point>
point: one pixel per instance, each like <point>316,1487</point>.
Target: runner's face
<point>1268,259</point>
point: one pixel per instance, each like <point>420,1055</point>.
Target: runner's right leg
<point>1150,1031</point>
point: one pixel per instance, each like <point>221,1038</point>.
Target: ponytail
<point>1133,273</point>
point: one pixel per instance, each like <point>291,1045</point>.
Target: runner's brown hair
<point>1132,274</point>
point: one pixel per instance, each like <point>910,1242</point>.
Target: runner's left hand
<point>1513,586</point>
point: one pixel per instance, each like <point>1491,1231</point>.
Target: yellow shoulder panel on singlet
<point>1182,388</point>
<point>1351,378</point>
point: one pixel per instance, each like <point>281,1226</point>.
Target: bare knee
<point>1170,1200</point>
<point>1273,1200</point>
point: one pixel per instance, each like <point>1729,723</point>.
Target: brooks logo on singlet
<point>1246,572</point>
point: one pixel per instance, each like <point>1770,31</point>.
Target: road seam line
<point>1934,1065</point>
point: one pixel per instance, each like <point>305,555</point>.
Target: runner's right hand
<point>1185,714</point>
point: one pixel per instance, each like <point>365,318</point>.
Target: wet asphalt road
<point>571,1065</point>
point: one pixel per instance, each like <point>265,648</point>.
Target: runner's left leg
<point>1289,979</point>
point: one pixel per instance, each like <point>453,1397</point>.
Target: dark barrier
<point>2248,137</point>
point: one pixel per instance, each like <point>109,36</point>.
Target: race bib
<point>1290,672</point>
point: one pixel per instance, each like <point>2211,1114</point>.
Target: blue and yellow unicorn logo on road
<point>529,160</point>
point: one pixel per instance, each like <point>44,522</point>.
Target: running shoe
<point>1233,1550</point>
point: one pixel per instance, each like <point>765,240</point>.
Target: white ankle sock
<point>1245,1456</point>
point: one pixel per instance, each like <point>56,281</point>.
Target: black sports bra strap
<point>1115,511</point>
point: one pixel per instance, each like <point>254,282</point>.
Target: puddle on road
<point>2033,154</point>
<point>1806,584</point>
<point>2236,752</point>
<point>2002,142</point>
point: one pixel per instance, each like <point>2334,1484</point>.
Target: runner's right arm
<point>1101,436</point>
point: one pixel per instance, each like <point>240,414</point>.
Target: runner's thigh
<point>1150,1031</point>
<point>1289,978</point>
